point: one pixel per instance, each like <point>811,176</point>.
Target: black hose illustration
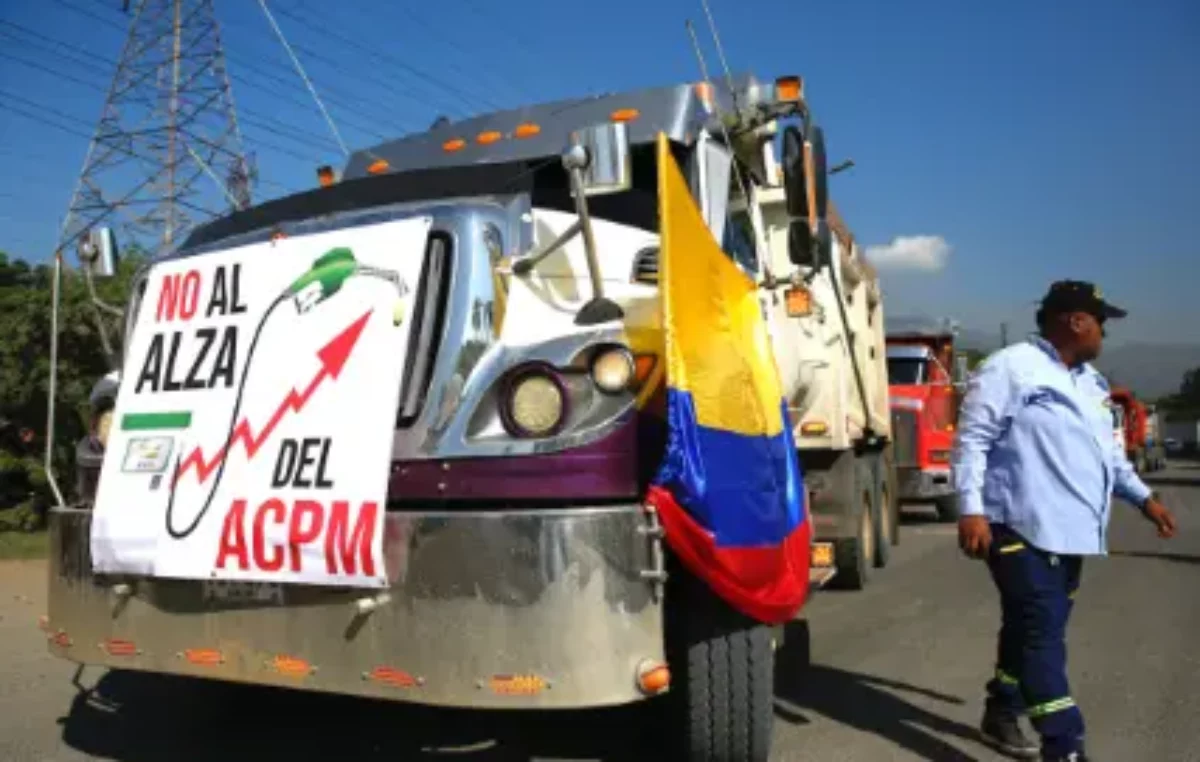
<point>325,278</point>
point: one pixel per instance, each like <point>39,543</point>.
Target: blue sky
<point>998,146</point>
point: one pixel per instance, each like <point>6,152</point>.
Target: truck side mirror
<point>98,253</point>
<point>806,251</point>
<point>601,152</point>
<point>806,186</point>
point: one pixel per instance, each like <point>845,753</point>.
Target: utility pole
<point>1003,335</point>
<point>167,152</point>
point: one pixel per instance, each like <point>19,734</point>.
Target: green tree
<point>25,302</point>
<point>1186,402</point>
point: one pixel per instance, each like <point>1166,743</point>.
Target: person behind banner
<point>1035,466</point>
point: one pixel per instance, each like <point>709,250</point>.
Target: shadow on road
<point>917,516</point>
<point>867,703</point>
<point>1178,558</point>
<point>135,717</point>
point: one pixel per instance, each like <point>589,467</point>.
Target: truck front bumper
<point>522,608</point>
<point>916,484</point>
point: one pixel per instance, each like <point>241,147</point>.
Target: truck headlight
<point>535,403</point>
<point>612,370</point>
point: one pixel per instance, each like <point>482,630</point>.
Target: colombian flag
<point>729,491</point>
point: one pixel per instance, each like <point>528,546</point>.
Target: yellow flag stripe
<point>718,348</point>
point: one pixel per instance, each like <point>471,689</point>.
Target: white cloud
<point>914,252</point>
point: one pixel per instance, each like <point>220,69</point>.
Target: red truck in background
<point>922,375</point>
<point>1140,427</point>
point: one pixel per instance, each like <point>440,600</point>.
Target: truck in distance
<point>922,373</point>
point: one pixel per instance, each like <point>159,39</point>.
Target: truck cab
<point>924,406</point>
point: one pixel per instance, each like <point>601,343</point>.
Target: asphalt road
<point>896,674</point>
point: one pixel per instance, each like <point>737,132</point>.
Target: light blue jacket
<point>1035,450</point>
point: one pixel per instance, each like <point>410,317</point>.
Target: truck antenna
<point>712,26</point>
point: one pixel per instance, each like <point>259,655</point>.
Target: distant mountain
<point>1151,370</point>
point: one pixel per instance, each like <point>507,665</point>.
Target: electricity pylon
<point>167,152</point>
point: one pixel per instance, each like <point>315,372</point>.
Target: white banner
<point>252,434</point>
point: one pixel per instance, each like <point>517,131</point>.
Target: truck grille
<point>904,434</point>
<point>429,317</point>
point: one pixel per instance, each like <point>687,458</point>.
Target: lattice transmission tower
<point>167,153</point>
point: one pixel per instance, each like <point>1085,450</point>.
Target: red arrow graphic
<point>333,358</point>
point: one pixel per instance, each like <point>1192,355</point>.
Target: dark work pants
<point>1036,596</point>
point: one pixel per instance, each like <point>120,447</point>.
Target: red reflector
<point>118,647</point>
<point>291,666</point>
<point>203,656</point>
<point>392,676</point>
<point>518,685</point>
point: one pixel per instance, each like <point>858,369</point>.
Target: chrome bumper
<point>929,484</point>
<point>526,608</point>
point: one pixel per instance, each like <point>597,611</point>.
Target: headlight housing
<point>613,370</point>
<point>534,402</point>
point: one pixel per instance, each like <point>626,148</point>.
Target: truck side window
<point>739,241</point>
<point>738,236</point>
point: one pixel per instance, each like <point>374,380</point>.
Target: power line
<point>298,135</point>
<point>436,82</point>
<point>277,130</point>
<point>256,68</point>
<point>359,74</point>
<point>507,84</point>
<point>43,120</point>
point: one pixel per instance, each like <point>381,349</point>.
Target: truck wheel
<point>723,673</point>
<point>854,555</point>
<point>883,529</point>
<point>947,509</point>
<point>891,497</point>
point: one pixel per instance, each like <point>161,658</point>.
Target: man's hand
<point>1162,519</point>
<point>974,536</point>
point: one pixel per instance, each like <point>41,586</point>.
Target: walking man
<point>1035,466</point>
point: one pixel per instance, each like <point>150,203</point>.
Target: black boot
<point>1003,733</point>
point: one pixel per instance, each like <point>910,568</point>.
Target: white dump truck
<point>448,506</point>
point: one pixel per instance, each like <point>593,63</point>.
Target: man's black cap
<point>1079,296</point>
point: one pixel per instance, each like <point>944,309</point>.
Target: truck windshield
<point>905,371</point>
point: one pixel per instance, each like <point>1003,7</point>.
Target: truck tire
<point>853,556</point>
<point>882,522</point>
<point>947,509</point>
<point>723,672</point>
<point>891,497</point>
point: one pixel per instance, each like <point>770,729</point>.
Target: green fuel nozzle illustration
<point>329,273</point>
